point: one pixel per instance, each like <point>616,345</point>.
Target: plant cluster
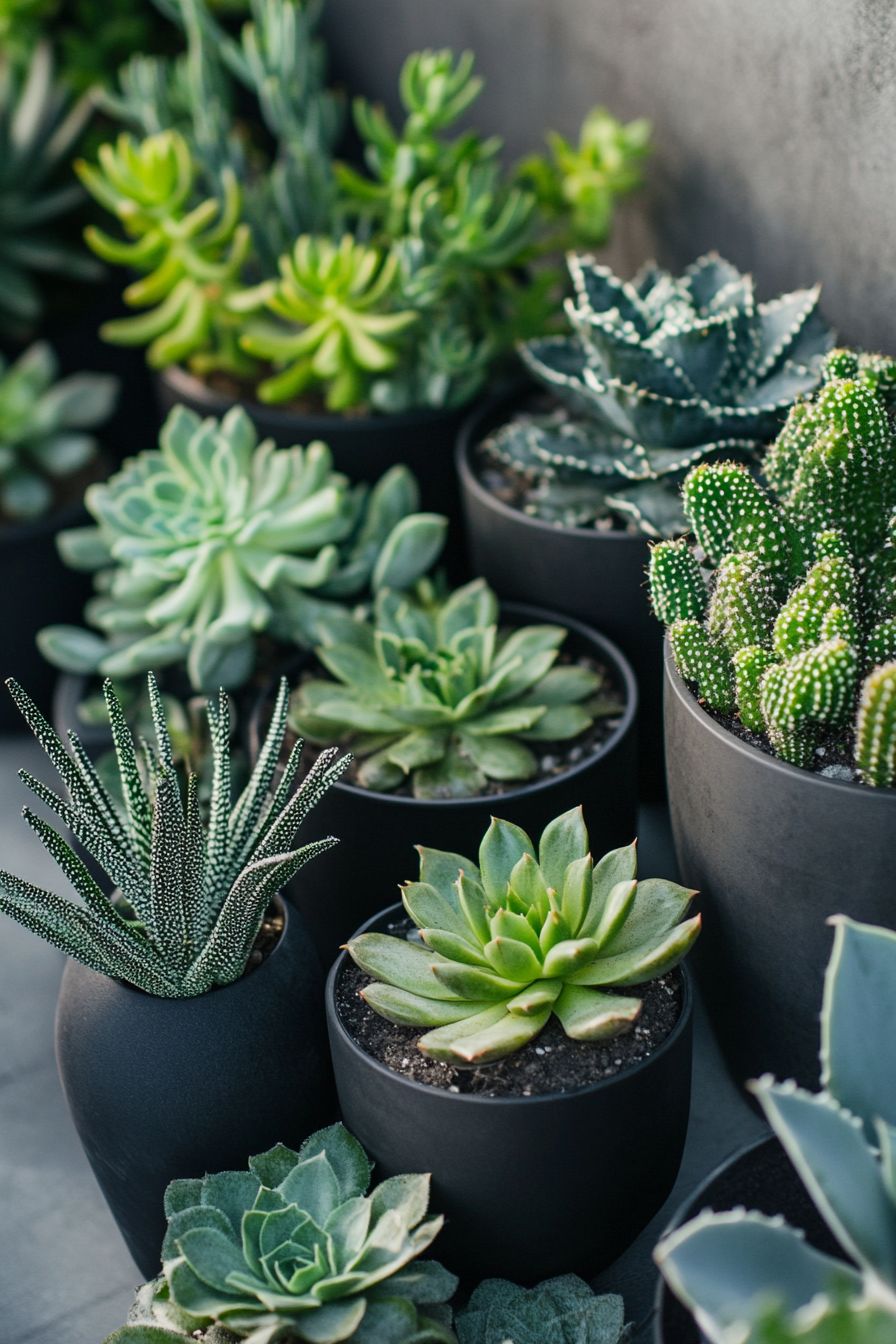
<point>434,692</point>
<point>557,1311</point>
<point>660,373</point>
<point>42,425</point>
<point>191,899</point>
<point>296,1249</point>
<point>214,538</point>
<point>796,629</point>
<point>510,941</point>
<point>753,1278</point>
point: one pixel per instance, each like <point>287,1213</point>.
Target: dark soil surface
<point>268,936</point>
<point>550,1063</point>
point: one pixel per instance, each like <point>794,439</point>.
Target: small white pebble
<point>452,1088</point>
<point>539,1050</point>
<point>617,1061</point>
<point>405,1063</point>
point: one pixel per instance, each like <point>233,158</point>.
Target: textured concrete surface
<point>775,123</point>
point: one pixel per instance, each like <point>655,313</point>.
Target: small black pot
<point>167,1088</point>
<point>378,831</point>
<point>760,1176</point>
<point>598,577</point>
<point>773,850</point>
<point>530,1186</point>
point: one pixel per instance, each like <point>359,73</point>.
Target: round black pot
<point>167,1088</point>
<point>378,831</point>
<point>760,1176</point>
<point>598,577</point>
<point>773,851</point>
<point>529,1186</point>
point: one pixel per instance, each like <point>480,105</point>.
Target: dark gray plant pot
<point>774,851</point>
<point>760,1176</point>
<point>378,831</point>
<point>597,577</point>
<point>165,1088</point>
<point>530,1186</point>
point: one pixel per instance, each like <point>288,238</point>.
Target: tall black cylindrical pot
<point>598,577</point>
<point>378,831</point>
<point>167,1088</point>
<point>530,1186</point>
<point>773,850</point>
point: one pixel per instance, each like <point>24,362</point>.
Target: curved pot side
<point>773,851</point>
<point>530,1187</point>
<point>165,1088</point>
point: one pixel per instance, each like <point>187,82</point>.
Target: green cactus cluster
<point>785,611</point>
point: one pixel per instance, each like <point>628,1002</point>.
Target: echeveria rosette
<point>296,1249</point>
<point>557,1310</point>
<point>520,936</point>
<point>440,694</point>
<point>755,1279</point>
<point>215,537</point>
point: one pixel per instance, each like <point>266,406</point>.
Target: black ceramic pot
<point>760,1176</point>
<point>773,850</point>
<point>598,577</point>
<point>165,1088</point>
<point>378,831</point>
<point>530,1186</point>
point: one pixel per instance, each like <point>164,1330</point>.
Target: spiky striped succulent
<point>216,537</point>
<point>436,694</point>
<point>192,900</point>
<point>296,1249</point>
<point>660,373</point>
<point>510,941</point>
<point>754,1279</point>
<point>801,604</point>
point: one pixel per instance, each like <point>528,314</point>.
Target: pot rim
<point>782,768</point>
<point>603,1084</point>
<point>17,534</point>
<point>471,431</point>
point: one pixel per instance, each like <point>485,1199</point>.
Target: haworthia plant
<point>296,1249</point>
<point>787,611</point>
<point>191,899</point>
<point>558,1311</point>
<point>517,937</point>
<point>754,1279</point>
<point>208,541</point>
<point>660,373</point>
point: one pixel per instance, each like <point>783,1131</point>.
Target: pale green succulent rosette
<point>520,936</point>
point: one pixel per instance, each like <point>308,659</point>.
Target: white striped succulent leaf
<point>198,894</point>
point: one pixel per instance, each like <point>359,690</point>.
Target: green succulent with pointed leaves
<point>510,941</point>
<point>553,1312</point>
<point>192,900</point>
<point>296,1249</point>
<point>437,693</point>
<point>754,1278</point>
<point>215,537</point>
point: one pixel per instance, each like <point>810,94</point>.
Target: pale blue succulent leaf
<point>860,979</point>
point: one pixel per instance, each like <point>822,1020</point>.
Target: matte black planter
<point>598,577</point>
<point>773,850</point>
<point>760,1176</point>
<point>378,831</point>
<point>530,1186</point>
<point>165,1088</point>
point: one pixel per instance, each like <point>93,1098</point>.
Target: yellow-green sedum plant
<point>520,936</point>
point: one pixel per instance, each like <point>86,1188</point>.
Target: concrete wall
<point>775,121</point>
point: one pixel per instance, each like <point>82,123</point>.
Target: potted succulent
<point>558,1309</point>
<point>752,1277</point>
<point>480,1039</point>
<point>189,1028</point>
<point>658,373</point>
<point>781,718</point>
<point>295,1248</point>
<point>449,703</point>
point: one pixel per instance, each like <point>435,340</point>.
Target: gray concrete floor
<point>64,1270</point>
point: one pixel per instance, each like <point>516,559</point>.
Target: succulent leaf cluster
<point>214,537</point>
<point>192,899</point>
<point>520,936</point>
<point>296,1249</point>
<point>42,424</point>
<point>554,1312</point>
<point>437,694</point>
<point>660,373</point>
<point>753,1278</point>
<point>796,628</point>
